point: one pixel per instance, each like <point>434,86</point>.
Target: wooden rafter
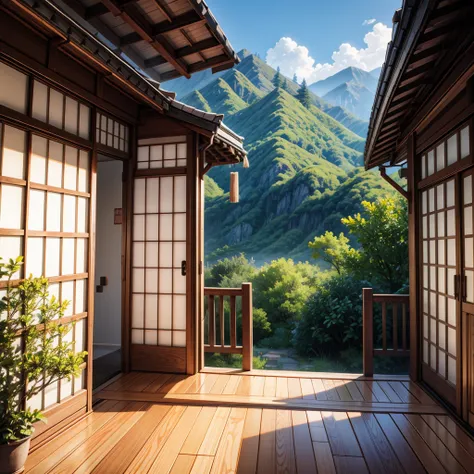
<point>133,17</point>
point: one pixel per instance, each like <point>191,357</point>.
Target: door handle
<point>183,268</point>
<point>456,286</point>
<point>464,288</point>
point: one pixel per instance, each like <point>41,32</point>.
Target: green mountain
<point>305,166</point>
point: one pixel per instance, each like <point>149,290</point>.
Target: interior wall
<point>108,310</point>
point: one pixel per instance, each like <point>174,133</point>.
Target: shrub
<point>332,318</point>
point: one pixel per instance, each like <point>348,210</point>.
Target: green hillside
<point>305,167</point>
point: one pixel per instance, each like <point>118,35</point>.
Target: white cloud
<point>293,58</point>
<point>370,21</point>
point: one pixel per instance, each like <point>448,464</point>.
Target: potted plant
<point>33,355</point>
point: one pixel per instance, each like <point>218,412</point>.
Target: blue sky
<point>320,26</point>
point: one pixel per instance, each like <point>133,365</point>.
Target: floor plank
<point>319,389</point>
<point>304,453</point>
<point>270,387</point>
<point>390,392</point>
<point>316,427</point>
<point>232,385</point>
<point>144,460</point>
<point>376,450</point>
<point>457,432</point>
<point>346,464</point>
<point>202,465</point>
<point>405,395</point>
<point>294,389</point>
<point>307,389</point>
<point>213,435</point>
<point>285,451</point>
<point>324,459</point>
<point>158,383</point>
<point>331,392</point>
<point>171,448</point>
<point>183,464</point>
<point>196,437</point>
<point>341,437</point>
<point>267,446</point>
<point>404,453</point>
<point>250,442</point>
<point>220,385</point>
<point>125,451</point>
<point>227,455</point>
<point>423,452</point>
<point>282,388</point>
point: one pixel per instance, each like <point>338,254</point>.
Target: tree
<point>303,95</point>
<point>333,249</point>
<point>382,232</point>
<point>277,79</point>
<point>284,85</point>
<point>295,78</point>
<point>230,272</point>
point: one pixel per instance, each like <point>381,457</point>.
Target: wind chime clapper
<point>234,182</point>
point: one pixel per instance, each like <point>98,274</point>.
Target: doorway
<point>107,348</point>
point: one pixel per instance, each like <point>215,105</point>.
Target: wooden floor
<point>252,423</point>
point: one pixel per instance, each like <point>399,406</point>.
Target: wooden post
<point>234,187</point>
<point>247,326</point>
<point>368,332</point>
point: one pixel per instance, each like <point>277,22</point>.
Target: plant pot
<point>13,456</point>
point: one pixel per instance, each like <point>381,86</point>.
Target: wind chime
<point>234,182</point>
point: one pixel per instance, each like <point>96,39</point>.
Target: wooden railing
<point>392,327</point>
<point>222,335</point>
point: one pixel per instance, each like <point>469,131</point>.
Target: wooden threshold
<point>303,374</point>
<point>269,402</point>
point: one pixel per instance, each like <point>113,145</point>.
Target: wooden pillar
<point>247,326</point>
<point>368,332</point>
<point>413,248</point>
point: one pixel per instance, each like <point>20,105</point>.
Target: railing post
<point>247,326</point>
<point>368,331</point>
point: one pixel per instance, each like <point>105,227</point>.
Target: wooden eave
<point>166,39</point>
<point>430,36</point>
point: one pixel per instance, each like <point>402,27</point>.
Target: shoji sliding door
<point>45,199</point>
<point>159,256</point>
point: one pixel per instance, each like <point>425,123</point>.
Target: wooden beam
<point>96,10</point>
<point>167,13</point>
<point>197,47</point>
<point>181,21</point>
<point>133,17</point>
<point>394,184</point>
<point>213,62</point>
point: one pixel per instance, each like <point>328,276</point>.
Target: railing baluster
<point>404,326</point>
<point>384,326</point>
<point>212,321</point>
<point>233,322</point>
<point>395,325</point>
<point>221,319</point>
<point>247,326</point>
<point>368,332</point>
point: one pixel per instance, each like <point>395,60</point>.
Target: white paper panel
<point>169,152</point>
<point>14,153</point>
<point>440,156</point>
<point>84,121</point>
<point>450,193</point>
<point>151,227</point>
<point>165,315</point>
<point>83,172</point>
<point>80,336</point>
<point>166,254</point>
<point>179,282</point>
<point>179,253</point>
<point>82,214</point>
<point>467,190</point>
<point>138,311</point>
<point>36,210</point>
<point>465,142</point>
<point>152,195</point>
<point>156,153</point>
<point>151,280</point>
<point>70,168</point>
<point>143,153</point>
<point>151,338</point>
<point>52,257</point>
<point>166,195</point>
<point>56,108</point>
<point>80,300</point>
<point>53,212</point>
<point>138,280</point>
<point>139,196</point>
<point>179,227</point>
<point>166,227</point>
<point>139,227</point>
<point>469,252</point>
<point>11,206</point>
<point>81,257</point>
<point>11,247</point>
<point>166,281</point>
<point>469,285</point>
<point>151,254</point>
<point>182,150</point>
<point>13,88</point>
<point>55,164</point>
<point>452,149</point>
<point>50,394</point>
<point>442,364</point>
<point>164,338</point>
<point>179,312</point>
<point>69,213</point>
<point>179,339</point>
<point>40,101</point>
<point>452,370</point>
<point>137,336</point>
<point>180,194</point>
<point>67,294</point>
<point>34,262</point>
<point>80,382</point>
<point>138,254</point>
<point>71,117</point>
<point>151,312</point>
<point>39,147</point>
<point>68,256</point>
